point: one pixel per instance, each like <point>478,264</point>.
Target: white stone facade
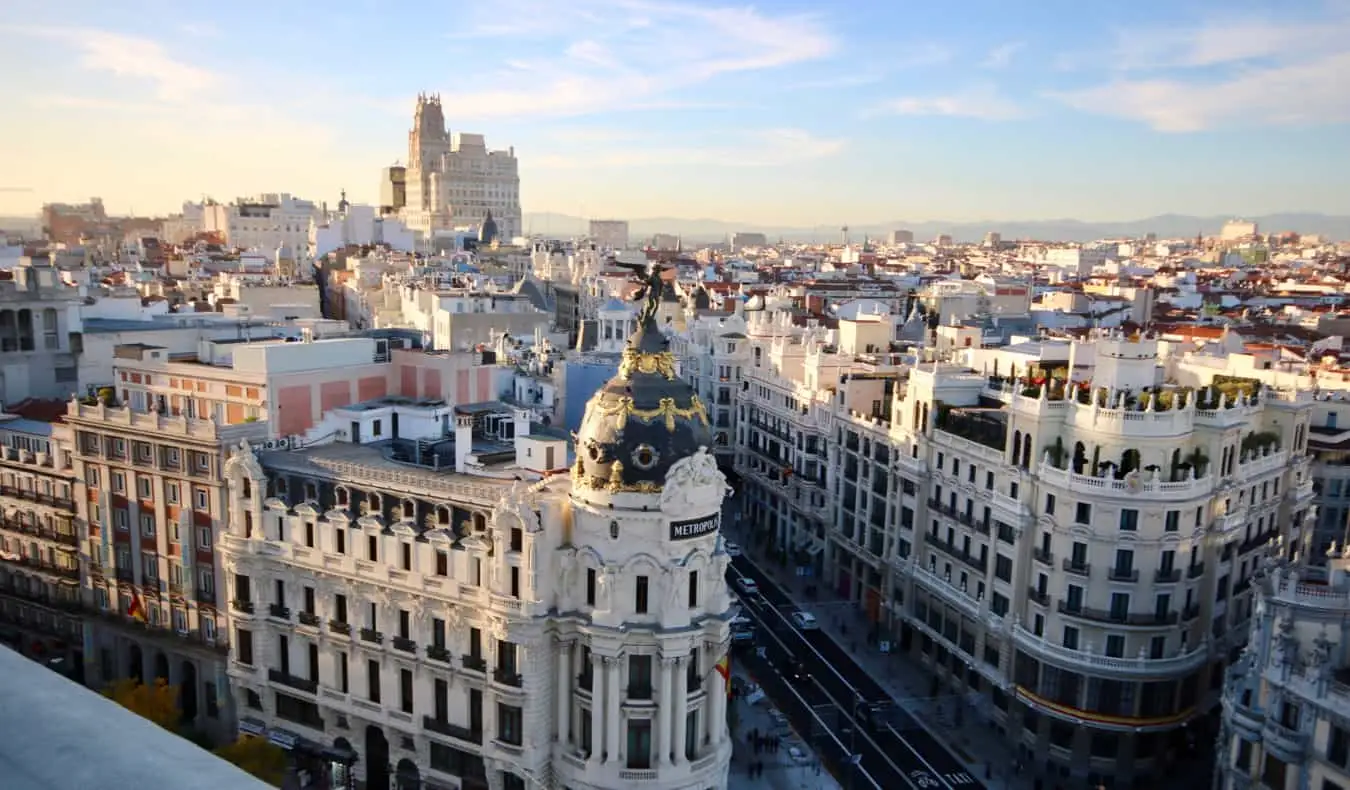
<point>476,628</point>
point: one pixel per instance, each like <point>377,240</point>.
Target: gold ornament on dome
<point>662,362</point>
<point>616,476</point>
<point>622,409</point>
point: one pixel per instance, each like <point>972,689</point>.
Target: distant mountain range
<point>1165,225</point>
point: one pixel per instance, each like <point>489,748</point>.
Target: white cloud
<point>598,55</point>
<point>1300,94</point>
<point>999,57</point>
<point>842,81</point>
<point>764,148</point>
<point>142,59</point>
<point>1248,71</point>
<point>981,102</point>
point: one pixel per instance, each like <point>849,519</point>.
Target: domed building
<point>646,503</point>
<point>430,608</point>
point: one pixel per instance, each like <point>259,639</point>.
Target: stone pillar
<point>564,692</point>
<point>613,717</point>
<point>597,709</point>
<point>665,718</point>
<point>681,713</point>
<point>717,707</point>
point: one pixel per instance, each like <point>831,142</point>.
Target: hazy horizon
<point>772,115</point>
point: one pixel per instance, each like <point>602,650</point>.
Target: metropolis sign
<point>684,530</point>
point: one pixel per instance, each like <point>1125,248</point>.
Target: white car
<point>805,621</point>
<point>747,586</point>
<point>732,549</point>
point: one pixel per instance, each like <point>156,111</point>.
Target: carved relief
<point>693,484</point>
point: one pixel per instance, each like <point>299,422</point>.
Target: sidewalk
<point>986,755</point>
<point>781,772</point>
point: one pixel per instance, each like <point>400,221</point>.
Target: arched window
<point>1026,451</point>
<point>1017,448</point>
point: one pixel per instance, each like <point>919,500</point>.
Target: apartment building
<point>714,352</point>
<point>150,503</point>
<point>1329,445</point>
<point>1286,702</point>
<point>457,610</point>
<point>1074,543</point>
<point>39,333</point>
<point>41,612</point>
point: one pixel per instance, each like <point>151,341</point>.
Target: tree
<point>158,703</point>
<point>256,756</point>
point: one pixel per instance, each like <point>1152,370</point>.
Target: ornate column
<point>597,709</point>
<point>681,712</point>
<point>564,692</point>
<point>613,717</point>
<point>717,706</point>
<point>665,720</point>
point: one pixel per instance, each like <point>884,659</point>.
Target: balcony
<point>507,677</point>
<point>372,636</point>
<point>1118,618</point>
<point>1287,744</point>
<point>1243,585</point>
<point>297,683</point>
<point>1046,650</point>
<point>1076,568</point>
<point>473,663</point>
<point>1043,556</point>
<point>640,692</point>
<point>278,611</point>
<point>1039,596</point>
<point>339,627</point>
<point>242,605</point>
<point>437,653</point>
<point>441,727</point>
<point>978,563</point>
<point>1195,571</point>
<point>309,619</point>
<point>1123,574</point>
<point>405,644</point>
<point>1191,612</point>
<point>1169,576</point>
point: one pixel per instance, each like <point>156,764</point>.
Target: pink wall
<point>372,387</point>
<point>407,381</point>
<point>294,410</point>
<point>334,394</point>
<point>431,383</point>
<point>484,385</point>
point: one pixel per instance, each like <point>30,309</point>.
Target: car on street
<point>747,586</point>
<point>805,621</point>
<point>732,549</point>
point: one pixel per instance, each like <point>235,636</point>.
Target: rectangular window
<point>1050,504</point>
<point>590,586</point>
<point>1083,513</point>
<point>1129,520</point>
<point>341,535</point>
<point>693,589</point>
<point>640,744</point>
<point>344,681</point>
<point>1070,637</point>
<point>1172,521</point>
<point>515,582</point>
<point>1003,567</point>
<point>509,721</point>
<point>373,680</point>
<point>407,556</point>
<point>405,690</point>
<point>442,564</point>
<point>372,547</point>
<point>640,595</point>
<point>1115,646</point>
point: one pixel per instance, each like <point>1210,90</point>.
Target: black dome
<point>645,418</point>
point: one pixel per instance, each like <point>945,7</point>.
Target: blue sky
<point>779,112</point>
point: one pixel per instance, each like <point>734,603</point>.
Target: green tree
<point>158,703</point>
<point>257,757</point>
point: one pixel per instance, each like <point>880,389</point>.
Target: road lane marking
<point>850,713</point>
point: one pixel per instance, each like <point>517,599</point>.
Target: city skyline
<point>780,113</point>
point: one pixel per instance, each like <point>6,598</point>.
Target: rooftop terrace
<point>58,735</point>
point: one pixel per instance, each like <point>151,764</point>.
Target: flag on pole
<point>724,669</point>
<point>136,609</point>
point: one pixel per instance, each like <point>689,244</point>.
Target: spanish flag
<point>724,669</point>
<point>136,609</point>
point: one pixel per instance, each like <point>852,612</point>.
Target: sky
<point>782,113</point>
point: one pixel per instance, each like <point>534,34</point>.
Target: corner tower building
<point>445,606</point>
<point>649,624</point>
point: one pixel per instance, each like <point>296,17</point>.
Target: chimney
<point>463,441</point>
